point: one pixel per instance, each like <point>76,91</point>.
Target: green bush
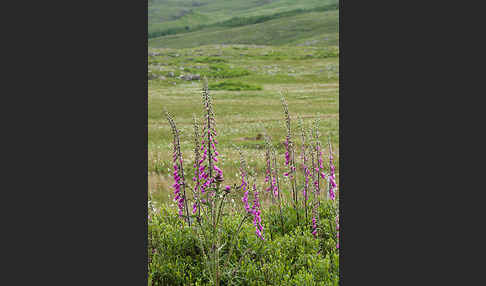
<point>289,257</point>
<point>224,71</point>
<point>234,86</point>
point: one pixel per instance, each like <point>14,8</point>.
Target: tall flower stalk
<point>208,145</point>
<point>178,174</point>
<point>315,198</point>
<point>272,174</point>
<point>305,167</point>
<point>317,174</point>
<point>268,171</point>
<point>212,177</point>
<point>332,177</point>
<point>257,219</point>
<point>197,169</point>
<point>333,187</point>
<point>290,158</point>
<point>320,161</point>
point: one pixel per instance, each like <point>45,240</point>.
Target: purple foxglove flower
<point>217,169</point>
<point>245,201</point>
<point>256,214</point>
<point>275,190</point>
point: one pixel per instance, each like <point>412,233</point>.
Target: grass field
<point>307,75</point>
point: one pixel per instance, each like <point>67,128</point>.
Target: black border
<point>81,210</point>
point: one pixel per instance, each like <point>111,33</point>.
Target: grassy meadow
<point>307,76</point>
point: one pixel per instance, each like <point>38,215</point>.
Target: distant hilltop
<point>187,23</point>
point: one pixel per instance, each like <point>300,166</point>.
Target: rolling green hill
<point>312,28</point>
<point>164,14</point>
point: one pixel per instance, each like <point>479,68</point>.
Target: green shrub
<point>293,257</point>
<point>225,71</point>
<point>234,85</point>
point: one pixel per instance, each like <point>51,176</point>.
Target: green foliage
<point>293,257</point>
<point>234,85</point>
<point>220,70</point>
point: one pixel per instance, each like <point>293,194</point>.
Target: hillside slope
<point>164,14</point>
<point>314,28</point>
